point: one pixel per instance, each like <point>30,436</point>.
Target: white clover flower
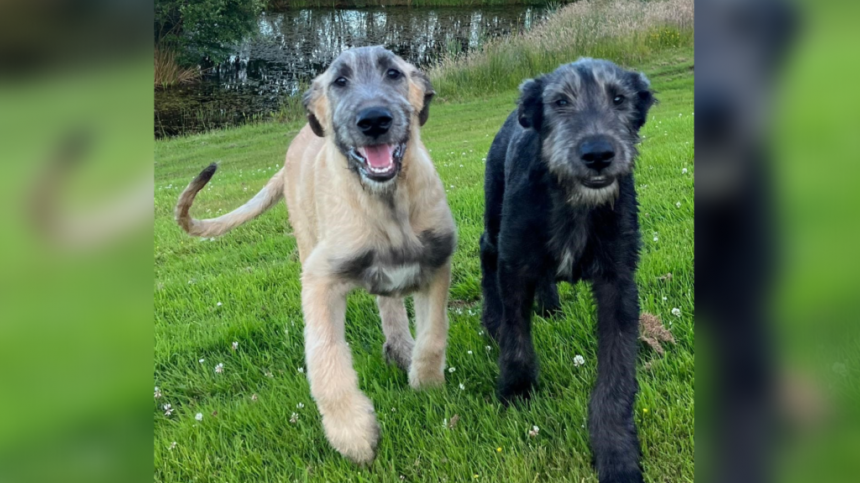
<point>198,416</point>
<point>534,431</point>
<point>219,368</point>
<point>253,397</point>
<point>172,446</point>
<point>301,370</point>
<point>462,387</point>
<point>300,406</point>
<point>678,204</point>
<point>684,171</point>
<point>219,303</point>
<point>469,352</point>
<point>202,361</point>
<point>294,418</point>
<point>665,299</point>
<point>488,348</point>
<point>676,312</point>
<point>157,392</point>
<point>235,345</point>
<point>452,369</point>
<point>578,360</point>
<point>168,409</point>
<point>269,374</point>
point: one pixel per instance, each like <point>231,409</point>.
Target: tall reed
<point>169,72</point>
<point>624,31</point>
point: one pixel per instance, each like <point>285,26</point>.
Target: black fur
<point>207,174</point>
<point>531,226</point>
<point>434,251</point>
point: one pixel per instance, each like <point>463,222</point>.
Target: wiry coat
<point>543,225</point>
<point>393,236</point>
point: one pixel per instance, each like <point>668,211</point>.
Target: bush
<point>199,29</point>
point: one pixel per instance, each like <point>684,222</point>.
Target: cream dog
<point>368,210</point>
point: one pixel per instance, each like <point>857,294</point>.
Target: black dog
<point>561,205</point>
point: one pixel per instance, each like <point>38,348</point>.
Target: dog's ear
<point>530,113</point>
<point>643,101</point>
<point>423,82</point>
<point>310,101</point>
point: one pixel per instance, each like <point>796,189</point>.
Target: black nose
<point>374,121</point>
<point>596,153</point>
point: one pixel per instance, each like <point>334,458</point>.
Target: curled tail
<point>262,201</point>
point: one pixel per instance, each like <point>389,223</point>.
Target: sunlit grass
<point>628,32</point>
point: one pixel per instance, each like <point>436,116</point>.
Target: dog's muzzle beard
<point>583,186</point>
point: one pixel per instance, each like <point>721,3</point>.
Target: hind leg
<point>547,296</point>
<point>491,312</point>
<point>395,325</point>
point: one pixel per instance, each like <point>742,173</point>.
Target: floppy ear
<point>644,100</point>
<point>530,112</point>
<point>309,100</point>
<point>426,87</point>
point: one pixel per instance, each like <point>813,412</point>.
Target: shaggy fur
<point>561,205</point>
<point>384,227</point>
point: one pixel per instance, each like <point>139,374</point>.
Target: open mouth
<point>380,162</point>
<point>597,182</point>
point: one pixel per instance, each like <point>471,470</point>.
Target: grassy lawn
<point>259,421</point>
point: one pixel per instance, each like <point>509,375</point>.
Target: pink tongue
<point>378,156</point>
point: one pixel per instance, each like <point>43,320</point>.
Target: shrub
<point>198,29</point>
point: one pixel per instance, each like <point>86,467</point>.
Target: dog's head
<point>368,102</point>
<point>588,114</point>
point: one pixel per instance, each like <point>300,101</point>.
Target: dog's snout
<point>374,121</point>
<point>596,153</point>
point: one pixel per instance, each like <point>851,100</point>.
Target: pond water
<point>293,46</point>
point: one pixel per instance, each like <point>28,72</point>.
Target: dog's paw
<point>398,352</point>
<point>633,476</point>
<point>427,372</point>
<point>517,379</point>
<point>353,430</point>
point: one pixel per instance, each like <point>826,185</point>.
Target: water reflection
<point>293,46</point>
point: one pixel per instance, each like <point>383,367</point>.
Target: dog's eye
<point>393,74</point>
<point>617,100</point>
<point>341,81</point>
<point>561,102</point>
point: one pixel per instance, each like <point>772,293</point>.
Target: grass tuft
<point>169,72</point>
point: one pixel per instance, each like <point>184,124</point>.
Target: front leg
<point>610,422</point>
<point>347,414</point>
<point>431,326</point>
<point>518,367</point>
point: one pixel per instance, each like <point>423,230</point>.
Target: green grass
<point>254,273</point>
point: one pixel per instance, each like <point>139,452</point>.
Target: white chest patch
<point>399,277</point>
<point>566,264</point>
